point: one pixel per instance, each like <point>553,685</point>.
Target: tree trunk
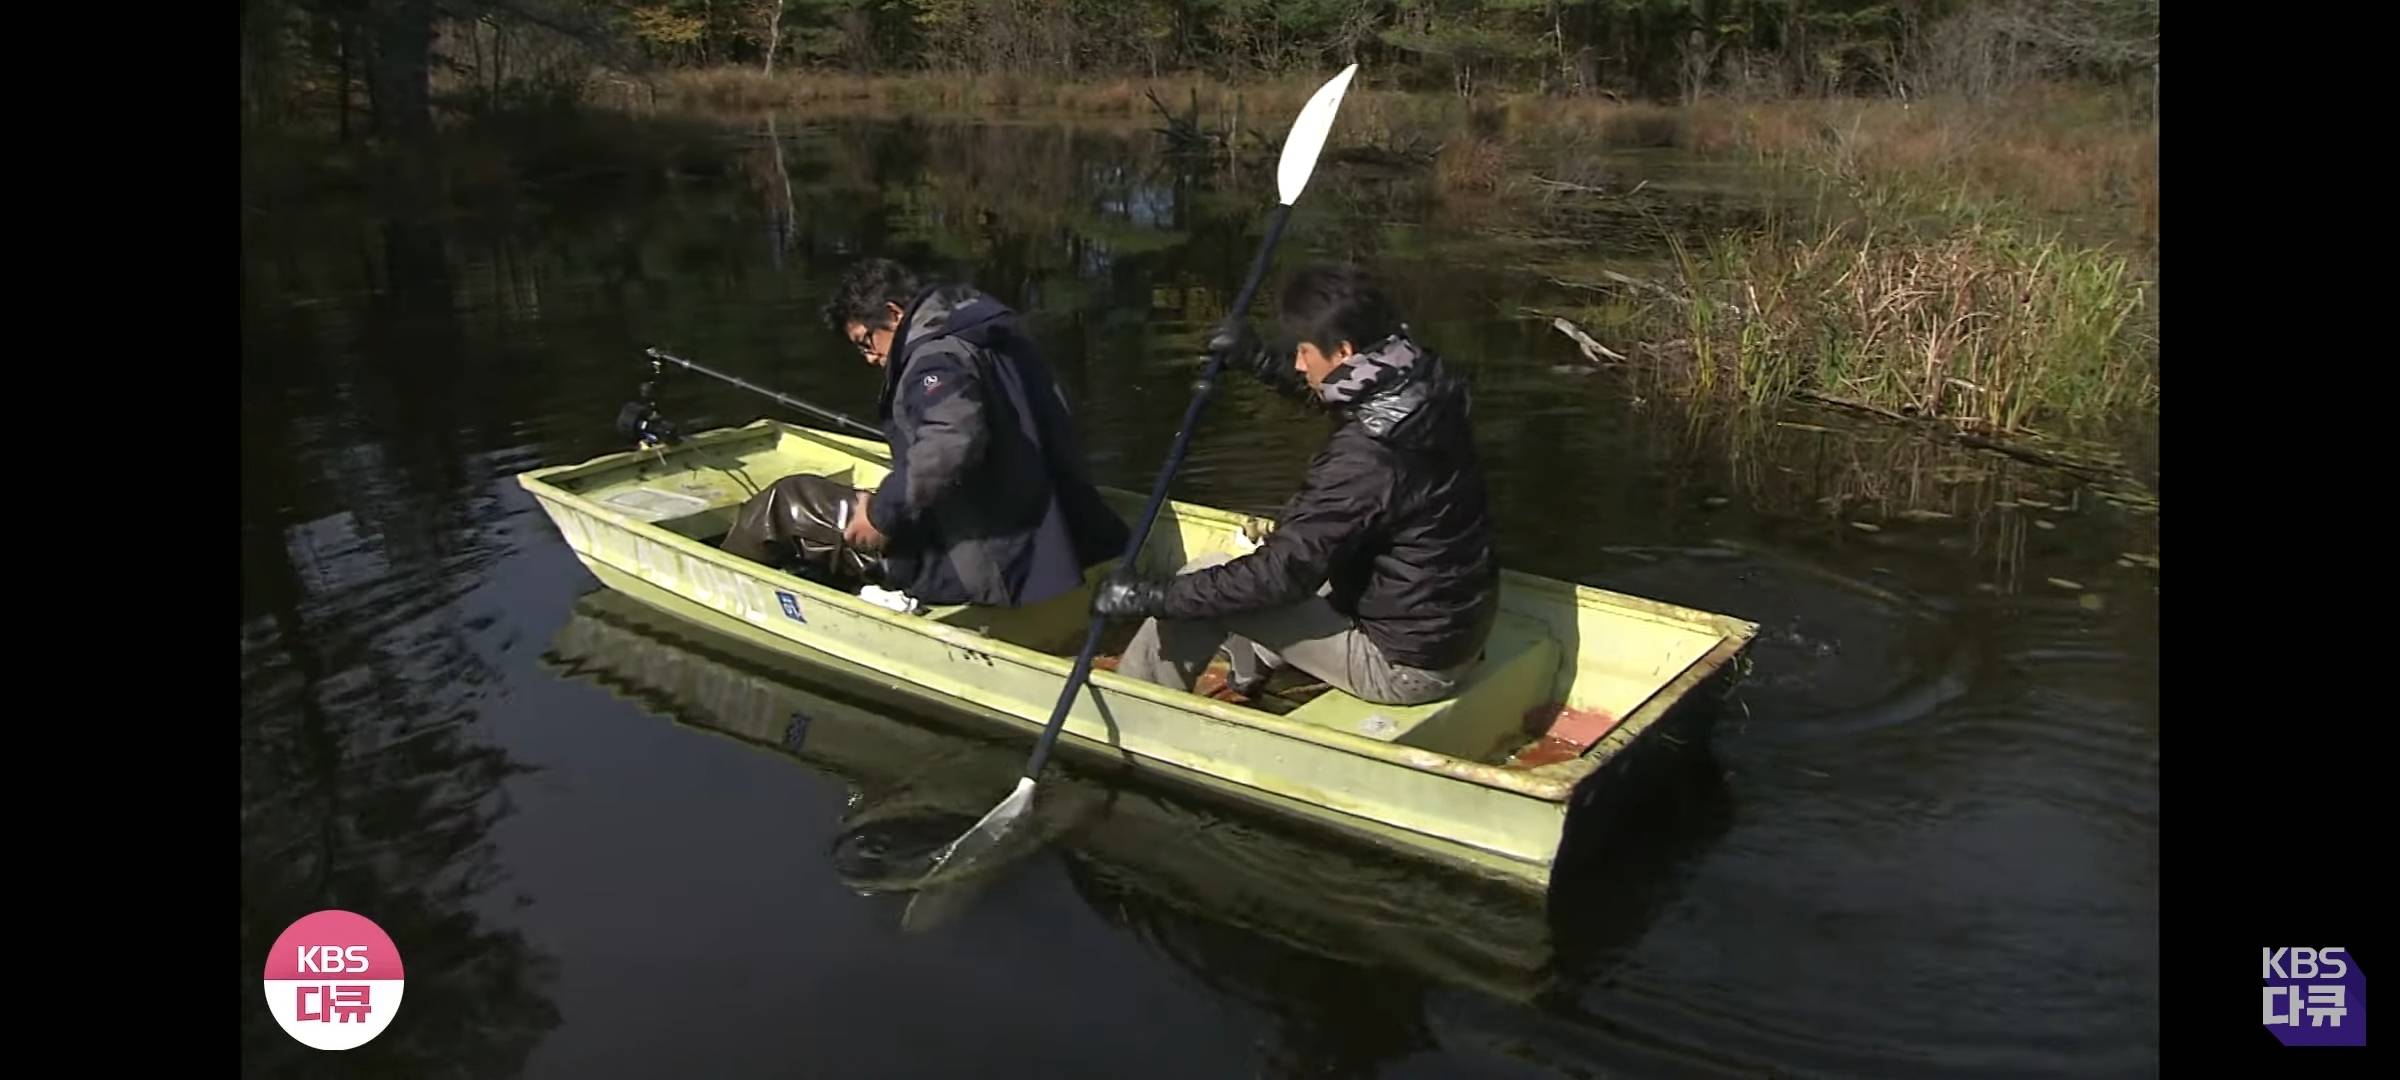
<point>1558,42</point>
<point>475,46</point>
<point>399,67</point>
<point>341,30</point>
<point>787,222</point>
<point>774,33</point>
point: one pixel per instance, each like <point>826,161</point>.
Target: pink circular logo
<point>333,980</point>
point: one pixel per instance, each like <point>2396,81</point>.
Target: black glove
<point>1245,352</point>
<point>1268,362</point>
<point>1126,598</point>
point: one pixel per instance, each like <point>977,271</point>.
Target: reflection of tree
<point>363,787</point>
<point>774,181</point>
<point>1345,972</point>
<point>1330,1018</point>
<point>354,797</point>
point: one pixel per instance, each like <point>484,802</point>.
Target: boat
<point>1168,867</point>
<point>1574,681</point>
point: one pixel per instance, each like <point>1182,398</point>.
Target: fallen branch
<point>1592,189</point>
<point>1592,349</point>
<point>1940,430</point>
<point>1563,185</point>
<point>1623,281</point>
<point>1415,154</point>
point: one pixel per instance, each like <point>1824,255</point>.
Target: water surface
<point>1925,841</point>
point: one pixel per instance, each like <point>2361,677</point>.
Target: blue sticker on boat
<point>791,605</point>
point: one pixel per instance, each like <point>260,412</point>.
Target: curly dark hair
<point>863,292</point>
<point>1326,305</point>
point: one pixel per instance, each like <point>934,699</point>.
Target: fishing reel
<point>641,422</point>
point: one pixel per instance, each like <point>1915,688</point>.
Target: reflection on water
<point>364,785</point>
<point>1335,940</point>
<point>1926,840</point>
<point>916,779</point>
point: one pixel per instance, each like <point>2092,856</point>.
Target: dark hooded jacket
<point>988,501</point>
<point>1393,515</point>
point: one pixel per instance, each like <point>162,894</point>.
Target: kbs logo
<point>2315,997</point>
<point>333,980</point>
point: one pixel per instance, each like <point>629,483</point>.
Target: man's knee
<point>1413,686</point>
<point>1410,695</point>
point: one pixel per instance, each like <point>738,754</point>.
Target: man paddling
<point>1379,577</point>
<point>988,500</point>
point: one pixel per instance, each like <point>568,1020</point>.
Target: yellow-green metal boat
<point>1478,781</point>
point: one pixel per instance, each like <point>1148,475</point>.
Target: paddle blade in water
<point>986,835</point>
<point>936,904</point>
<point>1307,136</point>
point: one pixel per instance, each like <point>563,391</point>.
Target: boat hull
<point>620,516</point>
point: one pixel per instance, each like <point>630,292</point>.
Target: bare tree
<point>774,32</point>
<point>1699,57</point>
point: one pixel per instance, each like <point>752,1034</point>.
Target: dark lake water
<point>1925,842</point>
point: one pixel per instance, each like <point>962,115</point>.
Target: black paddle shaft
<point>787,400</point>
<point>1158,492</point>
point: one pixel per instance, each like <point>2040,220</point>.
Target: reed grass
<point>1990,323</point>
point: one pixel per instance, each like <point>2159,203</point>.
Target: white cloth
<point>886,598</point>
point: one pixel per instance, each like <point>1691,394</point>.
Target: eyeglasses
<point>864,343</point>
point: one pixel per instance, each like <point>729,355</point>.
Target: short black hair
<point>1325,305</point>
<point>865,289</point>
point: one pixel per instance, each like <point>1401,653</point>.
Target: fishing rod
<point>641,420</point>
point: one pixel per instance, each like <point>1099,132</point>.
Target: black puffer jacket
<point>988,501</point>
<point>1393,514</point>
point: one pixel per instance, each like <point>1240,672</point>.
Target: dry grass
<point>2075,153</point>
<point>1369,116</point>
<point>2052,150</point>
<point>1595,121</point>
<point>743,89</point>
<point>1990,324</point>
<point>1469,166</point>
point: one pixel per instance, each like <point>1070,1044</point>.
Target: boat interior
<point>1542,694</point>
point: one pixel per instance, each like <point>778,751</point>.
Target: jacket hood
<point>960,311</point>
<point>1398,392</point>
<point>951,309</point>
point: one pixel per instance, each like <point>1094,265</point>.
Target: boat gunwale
<point>1553,783</point>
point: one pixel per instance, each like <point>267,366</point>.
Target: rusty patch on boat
<point>1560,734</point>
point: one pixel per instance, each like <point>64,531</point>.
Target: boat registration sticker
<point>791,605</point>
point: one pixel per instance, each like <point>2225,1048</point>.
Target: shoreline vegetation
<point>1990,269</point>
<point>1980,258</point>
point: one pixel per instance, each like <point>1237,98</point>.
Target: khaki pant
<point>1309,635</point>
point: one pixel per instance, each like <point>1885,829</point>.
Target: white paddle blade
<point>1307,136</point>
<point>937,906</point>
<point>988,832</point>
